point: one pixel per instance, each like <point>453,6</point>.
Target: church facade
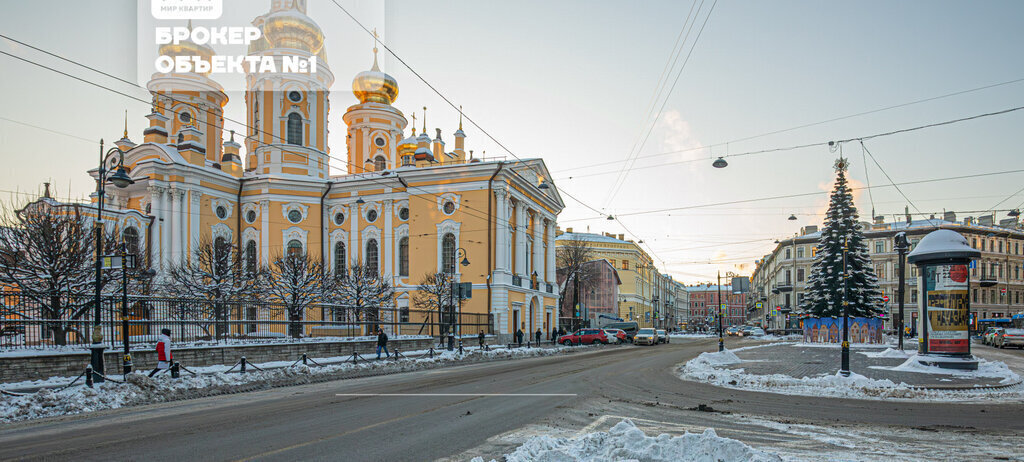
<point>405,206</point>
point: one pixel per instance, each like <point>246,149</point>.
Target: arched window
<point>403,256</point>
<point>220,255</point>
<point>250,257</point>
<point>448,253</point>
<point>294,128</point>
<point>379,163</point>
<point>294,247</point>
<point>339,259</point>
<point>372,257</point>
<point>407,161</point>
<point>131,240</point>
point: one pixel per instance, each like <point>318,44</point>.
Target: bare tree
<point>215,273</point>
<point>362,293</point>
<point>47,256</point>
<point>297,280</point>
<point>434,293</point>
<point>572,257</point>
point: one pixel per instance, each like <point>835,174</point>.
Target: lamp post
<point>718,301</point>
<point>461,252</point>
<point>901,249</point>
<point>844,367</point>
<point>121,180</point>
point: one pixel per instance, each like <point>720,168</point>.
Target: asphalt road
<point>454,412</point>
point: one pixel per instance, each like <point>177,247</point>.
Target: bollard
<point>460,347</point>
<point>431,352</point>
<point>510,346</point>
<point>304,360</point>
<point>175,370</point>
<point>88,376</point>
<point>354,356</point>
<point>242,362</point>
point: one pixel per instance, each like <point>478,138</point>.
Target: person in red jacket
<point>163,352</point>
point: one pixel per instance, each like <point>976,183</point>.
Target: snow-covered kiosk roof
<point>943,245</point>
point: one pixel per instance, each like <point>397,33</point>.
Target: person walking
<point>481,338</point>
<point>519,336</point>
<point>163,352</point>
<point>382,343</point>
<point>538,335</point>
<point>554,336</point>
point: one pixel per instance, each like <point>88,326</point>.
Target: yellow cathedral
<point>405,206</point>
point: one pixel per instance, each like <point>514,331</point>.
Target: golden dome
<point>374,86</point>
<point>407,146</point>
<point>293,29</point>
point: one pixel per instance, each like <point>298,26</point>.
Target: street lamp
<point>844,367</point>
<point>901,249</point>
<point>461,252</point>
<point>721,341</point>
<point>719,163</point>
<point>121,180</point>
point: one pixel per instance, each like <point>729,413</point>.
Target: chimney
<point>949,216</point>
<point>906,211</point>
<point>879,219</point>
<point>620,237</point>
<point>568,230</point>
<point>985,220</point>
<point>438,146</point>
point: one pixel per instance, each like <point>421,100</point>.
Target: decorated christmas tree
<point>825,287</point>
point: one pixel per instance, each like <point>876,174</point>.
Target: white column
<point>264,231</point>
<point>500,231</point>
<point>552,269</point>
<point>195,205</point>
<point>538,248</point>
<point>387,250</point>
<point>156,209</point>
<point>354,251</point>
<point>175,223</point>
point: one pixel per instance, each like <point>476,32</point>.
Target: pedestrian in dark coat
<point>519,336</point>
<point>538,335</point>
<point>481,338</point>
<point>554,336</point>
<point>382,343</point>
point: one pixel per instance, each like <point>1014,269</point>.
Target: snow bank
<point>986,368</point>
<point>625,441</point>
<point>887,353</point>
<point>140,389</point>
<point>708,368</point>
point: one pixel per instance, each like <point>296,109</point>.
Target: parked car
<point>756,332</point>
<point>989,335</point>
<point>584,336</point>
<point>629,328</point>
<point>662,336</point>
<point>616,335</point>
<point>645,336</point>
<point>1009,337</point>
<point>744,331</point>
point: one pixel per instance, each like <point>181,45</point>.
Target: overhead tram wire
<point>616,189</point>
<point>816,193</point>
<point>214,125</point>
<point>834,142</point>
<point>670,64</point>
<point>775,132</point>
<point>893,183</point>
<point>455,107</point>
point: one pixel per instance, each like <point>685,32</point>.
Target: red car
<point>584,336</point>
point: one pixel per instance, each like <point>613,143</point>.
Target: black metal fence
<point>23,323</point>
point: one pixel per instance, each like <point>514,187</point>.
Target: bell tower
<point>287,112</point>
<point>375,127</point>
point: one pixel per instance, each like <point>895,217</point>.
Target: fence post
<point>242,362</point>
<point>304,359</point>
<point>175,370</point>
<point>88,376</point>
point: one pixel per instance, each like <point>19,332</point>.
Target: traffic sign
<point>885,298</point>
<point>1002,290</point>
<point>117,261</point>
<point>759,305</point>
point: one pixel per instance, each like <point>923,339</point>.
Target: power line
<point>775,132</point>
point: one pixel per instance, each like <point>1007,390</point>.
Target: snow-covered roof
<point>591,237</point>
<point>942,244</point>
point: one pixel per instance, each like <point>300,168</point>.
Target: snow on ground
<point>986,368</point>
<point>213,380</point>
<point>887,353</point>
<point>708,368</point>
<point>625,441</point>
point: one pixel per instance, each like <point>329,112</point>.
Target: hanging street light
<point>792,217</point>
<point>719,163</point>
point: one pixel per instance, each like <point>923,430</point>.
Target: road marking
<point>455,394</point>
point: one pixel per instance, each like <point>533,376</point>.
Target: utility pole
<point>844,367</point>
<point>901,248</point>
<point>718,301</point>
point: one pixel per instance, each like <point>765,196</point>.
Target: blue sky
<point>571,81</point>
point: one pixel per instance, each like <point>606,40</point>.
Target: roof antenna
<point>424,119</point>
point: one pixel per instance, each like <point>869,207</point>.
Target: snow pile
<point>708,368</point>
<point>625,441</point>
<point>986,368</point>
<point>887,353</point>
<point>140,389</point>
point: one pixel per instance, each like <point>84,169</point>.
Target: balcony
<point>987,281</point>
<point>517,280</point>
<point>551,288</point>
<point>785,286</point>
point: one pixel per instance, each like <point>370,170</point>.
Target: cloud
<point>677,134</point>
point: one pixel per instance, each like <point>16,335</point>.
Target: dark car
<point>584,336</point>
